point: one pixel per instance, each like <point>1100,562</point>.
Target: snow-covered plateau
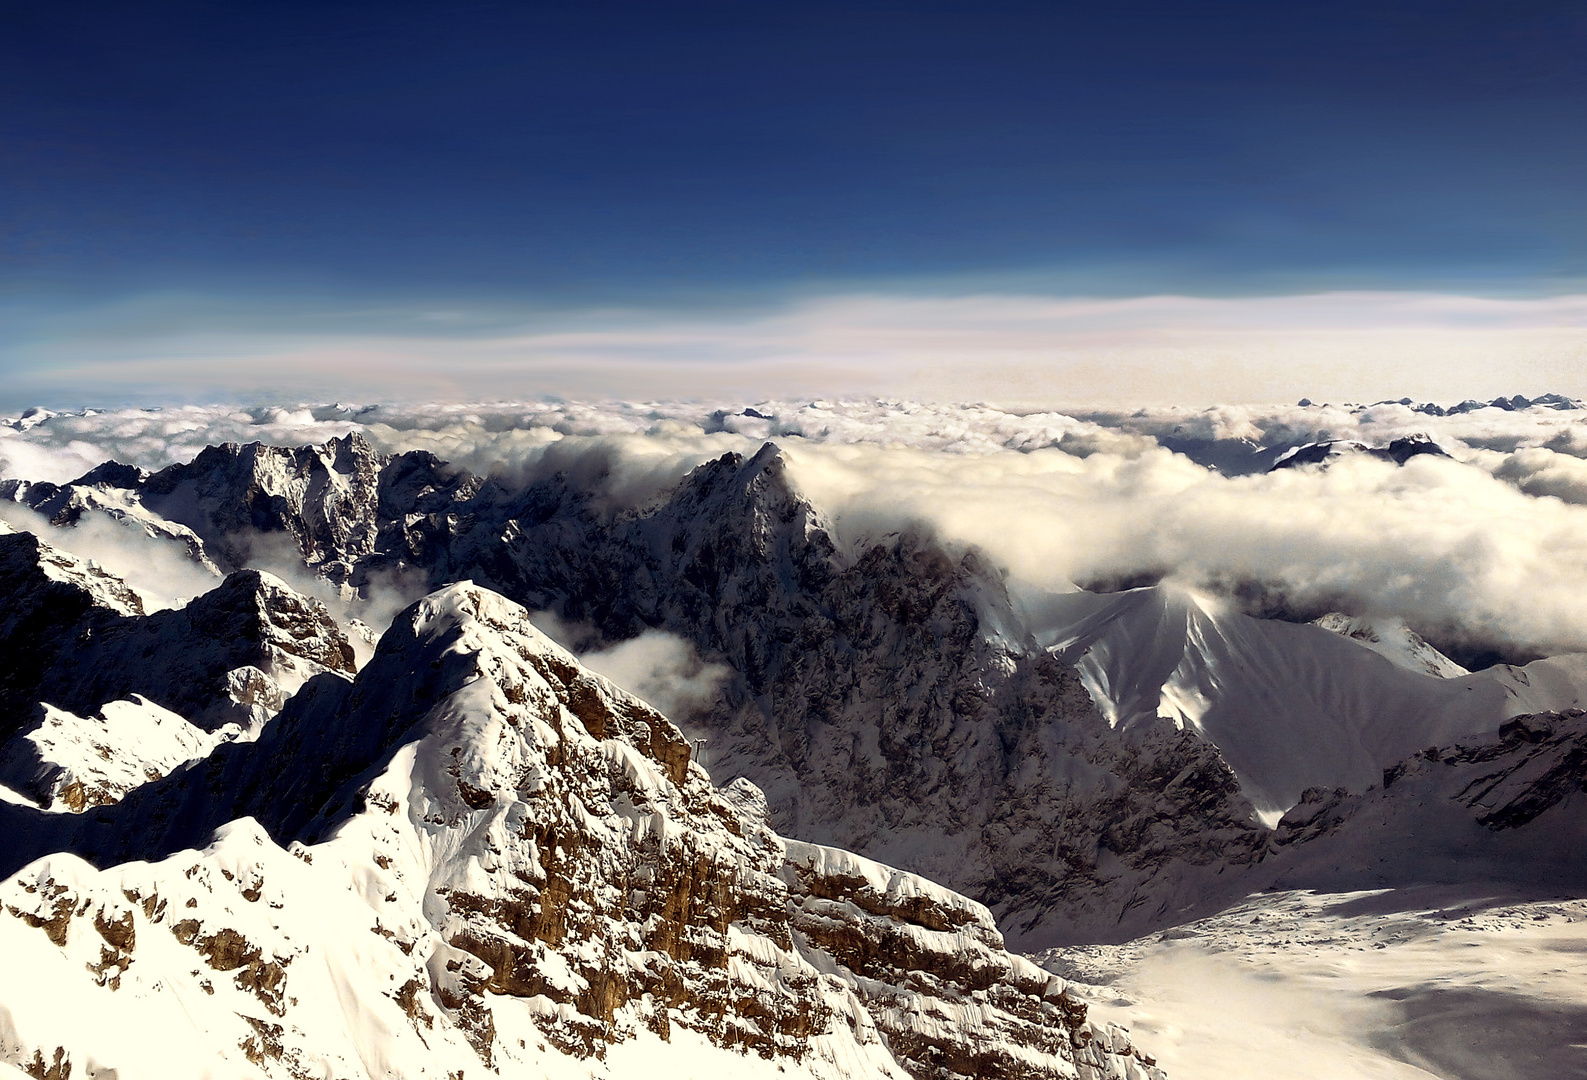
<point>343,757</point>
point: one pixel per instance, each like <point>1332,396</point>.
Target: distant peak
<point>767,453</point>
<point>1324,453</point>
<point>464,602</point>
<point>733,476</point>
<point>353,441</point>
<point>112,474</point>
<point>250,579</point>
<point>770,460</point>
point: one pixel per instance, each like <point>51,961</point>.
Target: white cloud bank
<point>1489,549</point>
<point>158,568</point>
<point>657,666</point>
<point>1463,556</point>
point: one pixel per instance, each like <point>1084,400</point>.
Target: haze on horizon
<point>1147,202</point>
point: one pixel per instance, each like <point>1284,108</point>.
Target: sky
<point>201,199</point>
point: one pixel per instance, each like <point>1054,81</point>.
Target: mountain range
<point>481,855</point>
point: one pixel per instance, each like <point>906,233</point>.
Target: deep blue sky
<point>598,150</point>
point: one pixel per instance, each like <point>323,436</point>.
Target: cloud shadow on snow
<point>1472,1034</point>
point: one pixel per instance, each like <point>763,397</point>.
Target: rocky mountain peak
<point>1325,453</point>
<point>76,637</point>
<point>44,583</point>
<point>755,495</point>
<point>113,474</point>
<point>283,624</point>
<point>320,498</point>
<point>522,867</point>
<point>762,474</point>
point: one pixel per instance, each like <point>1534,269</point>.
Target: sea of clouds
<point>1483,550</point>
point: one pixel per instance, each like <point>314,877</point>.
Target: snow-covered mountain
<point>76,636</point>
<point>1509,807</point>
<point>472,853</point>
<point>97,698</point>
<point>1326,452</point>
<point>1289,706</point>
<point>887,699</point>
<point>477,856</point>
<point>1090,773</point>
<point>69,762</point>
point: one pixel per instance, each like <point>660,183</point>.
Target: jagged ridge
<point>886,699</point>
<point>549,878</point>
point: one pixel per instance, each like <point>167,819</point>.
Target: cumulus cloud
<point>1462,555</point>
<point>485,436</point>
<point>660,667</point>
<point>1540,471</point>
<point>61,446</point>
<point>1377,424</point>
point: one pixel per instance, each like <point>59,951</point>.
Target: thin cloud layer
<point>1031,349</point>
<point>60,446</point>
<point>1374,424</point>
<point>663,669</point>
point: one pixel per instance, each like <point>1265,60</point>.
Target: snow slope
<point>1508,807</point>
<point>1390,638</point>
<point>1430,983</point>
<point>1430,926</point>
<point>1289,706</point>
<point>70,762</point>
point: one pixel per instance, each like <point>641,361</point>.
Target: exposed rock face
<point>886,699</point>
<point>51,597</point>
<point>44,586</point>
<point>319,498</point>
<point>888,702</point>
<point>512,863</point>
<point>1537,762</point>
<point>76,637</point>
